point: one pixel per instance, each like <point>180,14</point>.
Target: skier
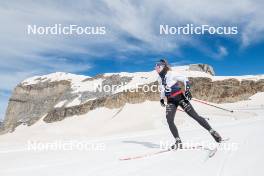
<point>176,97</point>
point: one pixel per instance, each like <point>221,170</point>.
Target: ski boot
<point>177,145</point>
<point>215,135</point>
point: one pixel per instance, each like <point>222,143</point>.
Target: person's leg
<point>188,108</point>
<point>170,114</point>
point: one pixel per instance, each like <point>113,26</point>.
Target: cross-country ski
<point>210,151</point>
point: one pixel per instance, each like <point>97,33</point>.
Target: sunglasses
<point>159,66</point>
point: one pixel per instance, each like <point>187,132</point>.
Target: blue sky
<point>238,62</point>
<point>132,41</point>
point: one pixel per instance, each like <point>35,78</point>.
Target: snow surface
<point>57,76</point>
<point>138,129</point>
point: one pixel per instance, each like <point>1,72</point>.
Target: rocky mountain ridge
<point>59,95</point>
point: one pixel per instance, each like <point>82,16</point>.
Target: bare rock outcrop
<point>31,102</point>
<point>227,90</point>
<point>202,68</point>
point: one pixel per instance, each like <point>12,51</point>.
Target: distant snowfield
<point>138,129</point>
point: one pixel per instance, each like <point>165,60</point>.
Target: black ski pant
<point>171,108</point>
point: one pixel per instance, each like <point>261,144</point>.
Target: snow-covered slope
<point>138,129</point>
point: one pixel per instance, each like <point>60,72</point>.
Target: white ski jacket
<point>171,82</point>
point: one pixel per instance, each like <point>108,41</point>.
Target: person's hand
<point>188,94</point>
<point>162,103</point>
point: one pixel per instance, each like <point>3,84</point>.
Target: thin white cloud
<point>222,52</point>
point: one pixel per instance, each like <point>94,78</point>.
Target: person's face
<point>159,68</point>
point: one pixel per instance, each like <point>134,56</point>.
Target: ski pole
<point>194,99</point>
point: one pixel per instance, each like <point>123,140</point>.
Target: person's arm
<point>183,79</point>
<point>187,86</point>
<point>162,92</point>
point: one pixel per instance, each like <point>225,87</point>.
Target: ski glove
<point>187,93</point>
<point>162,103</point>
